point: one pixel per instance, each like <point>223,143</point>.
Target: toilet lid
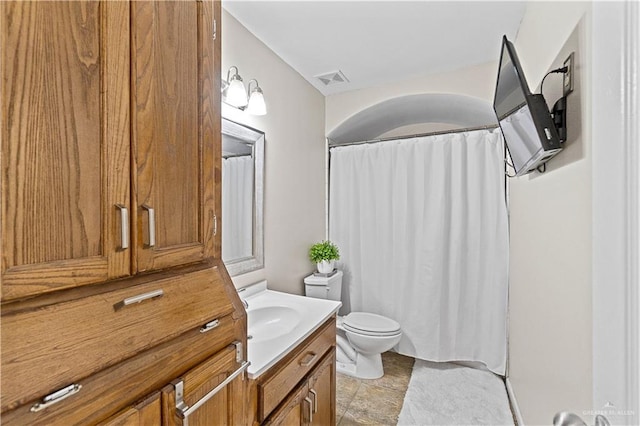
<point>370,323</point>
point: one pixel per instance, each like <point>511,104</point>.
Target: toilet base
<point>365,367</point>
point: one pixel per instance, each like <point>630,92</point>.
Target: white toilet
<point>367,335</point>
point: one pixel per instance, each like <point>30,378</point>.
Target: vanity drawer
<point>59,344</point>
<point>288,373</point>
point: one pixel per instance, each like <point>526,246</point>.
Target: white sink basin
<point>271,322</point>
<point>277,322</point>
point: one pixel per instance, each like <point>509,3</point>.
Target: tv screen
<point>524,118</point>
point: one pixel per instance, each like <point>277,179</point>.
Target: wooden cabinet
<point>210,394</point>
<point>313,401</point>
<point>107,107</point>
<point>108,391</point>
<point>65,342</point>
<point>173,131</point>
<point>112,283</point>
<point>294,410</point>
<point>147,412</point>
<point>322,392</point>
<point>299,389</point>
<point>65,144</point>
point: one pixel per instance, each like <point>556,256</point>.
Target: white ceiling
<point>377,42</point>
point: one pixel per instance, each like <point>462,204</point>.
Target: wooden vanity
<point>300,389</point>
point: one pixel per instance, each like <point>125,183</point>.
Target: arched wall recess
<point>459,110</point>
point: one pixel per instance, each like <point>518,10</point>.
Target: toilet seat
<point>369,324</point>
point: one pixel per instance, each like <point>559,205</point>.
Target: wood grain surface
<point>226,407</point>
<point>147,412</point>
<point>59,344</point>
<point>109,391</point>
<point>172,135</point>
<point>65,143</point>
<point>282,378</point>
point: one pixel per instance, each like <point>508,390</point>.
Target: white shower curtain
<point>422,229</point>
<point>237,207</point>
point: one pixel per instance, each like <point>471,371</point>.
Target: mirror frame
<point>256,139</point>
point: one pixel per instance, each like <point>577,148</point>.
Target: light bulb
<point>257,105</point>
<point>236,94</point>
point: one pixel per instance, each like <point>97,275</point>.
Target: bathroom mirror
<point>242,197</point>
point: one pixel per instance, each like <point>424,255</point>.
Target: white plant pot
<point>325,266</point>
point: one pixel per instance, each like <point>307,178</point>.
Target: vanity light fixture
<point>233,91</point>
<point>234,94</point>
<point>256,104</point>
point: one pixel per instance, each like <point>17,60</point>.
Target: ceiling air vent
<point>331,78</point>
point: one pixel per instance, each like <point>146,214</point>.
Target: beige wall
<point>477,81</point>
<point>294,157</point>
<point>550,330</point>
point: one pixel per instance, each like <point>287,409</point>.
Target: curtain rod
<point>333,144</point>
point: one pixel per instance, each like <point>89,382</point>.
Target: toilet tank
<point>324,287</point>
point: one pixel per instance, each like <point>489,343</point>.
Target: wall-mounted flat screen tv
<point>527,126</point>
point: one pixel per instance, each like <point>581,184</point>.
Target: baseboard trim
<point>514,403</point>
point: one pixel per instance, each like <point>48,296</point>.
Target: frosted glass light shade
<point>257,105</point>
<point>236,94</point>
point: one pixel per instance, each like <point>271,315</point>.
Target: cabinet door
<point>226,407</point>
<point>294,410</point>
<point>146,413</point>
<point>313,401</point>
<point>322,391</point>
<point>175,114</point>
<point>65,144</point>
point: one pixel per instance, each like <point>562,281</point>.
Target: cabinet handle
<point>152,225</point>
<point>56,397</point>
<point>209,326</point>
<point>139,298</point>
<point>124,226</point>
<point>310,409</point>
<point>315,400</point>
<point>308,359</point>
<point>184,411</point>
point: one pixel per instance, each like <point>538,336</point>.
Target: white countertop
<point>273,338</point>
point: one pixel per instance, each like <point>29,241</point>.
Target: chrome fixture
<point>565,418</point>
<point>234,93</point>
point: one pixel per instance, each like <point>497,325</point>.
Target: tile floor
<point>377,401</point>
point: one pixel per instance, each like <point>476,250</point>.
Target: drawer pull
<point>315,399</point>
<point>310,409</point>
<point>184,411</point>
<point>308,359</point>
<point>139,298</point>
<point>56,397</point>
<point>210,326</point>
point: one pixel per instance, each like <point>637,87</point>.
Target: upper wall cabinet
<point>173,132</point>
<point>65,144</point>
<point>110,115</point>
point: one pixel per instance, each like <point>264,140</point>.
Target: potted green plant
<point>324,255</point>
